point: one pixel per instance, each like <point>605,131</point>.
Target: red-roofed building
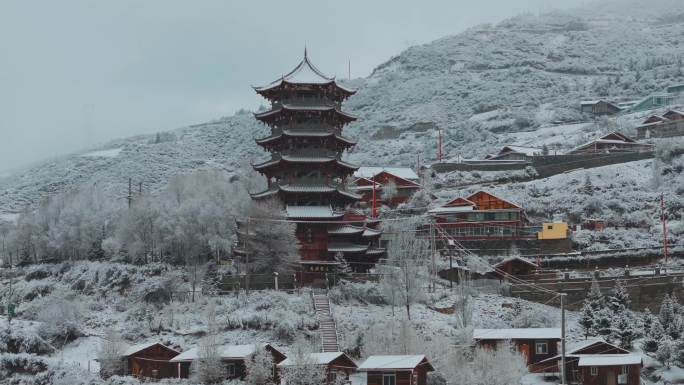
<point>613,142</point>
<point>390,189</point>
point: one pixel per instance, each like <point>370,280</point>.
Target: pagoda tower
<point>307,174</point>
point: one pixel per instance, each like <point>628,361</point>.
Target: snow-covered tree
<point>622,330</point>
<point>303,370</point>
<point>586,319</point>
<point>259,367</point>
<point>619,301</point>
<point>603,322</point>
<point>667,314</point>
<point>502,366</point>
<point>407,256</point>
<point>110,354</point>
<point>653,337</point>
<point>208,367</point>
<point>666,351</point>
<point>389,191</point>
<point>587,187</point>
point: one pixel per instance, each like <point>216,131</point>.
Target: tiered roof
<point>306,188</point>
<point>305,73</point>
<point>289,109</point>
<point>305,134</point>
<point>310,156</point>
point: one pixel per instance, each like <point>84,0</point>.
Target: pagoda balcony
<point>306,102</point>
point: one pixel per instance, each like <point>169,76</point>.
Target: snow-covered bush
<point>60,318</point>
<point>23,340</point>
<point>22,363</point>
<point>365,292</point>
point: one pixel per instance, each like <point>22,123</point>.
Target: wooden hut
<point>338,365</point>
<point>599,107</point>
<point>150,361</point>
<point>610,369</point>
<point>404,188</point>
<point>233,356</point>
<point>613,142</point>
<point>396,370</point>
<point>536,344</point>
<point>514,266</point>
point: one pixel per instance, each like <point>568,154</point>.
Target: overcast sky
<point>74,74</point>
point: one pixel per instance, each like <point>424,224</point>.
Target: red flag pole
<point>373,214</point>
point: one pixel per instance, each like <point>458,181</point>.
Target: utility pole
<point>563,374</point>
<point>140,189</point>
<point>349,69</point>
<point>129,197</point>
<point>373,209</point>
<point>432,256</point>
<point>439,146</point>
<point>664,220</point>
<point>247,259</point>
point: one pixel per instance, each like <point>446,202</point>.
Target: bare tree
<point>502,366</point>
<point>389,191</point>
<point>110,354</point>
<point>208,367</point>
<point>407,256</point>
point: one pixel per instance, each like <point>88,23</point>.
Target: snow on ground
<point>110,153</point>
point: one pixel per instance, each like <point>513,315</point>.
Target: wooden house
<point>150,361</point>
<point>396,370</point>
<point>391,187</point>
<point>613,142</point>
<point>599,107</point>
<point>610,369</point>
<point>338,365</point>
<point>515,153</point>
<point>515,266</point>
<point>536,344</point>
<point>233,356</point>
<point>591,347</point>
<point>482,216</point>
<point>594,224</point>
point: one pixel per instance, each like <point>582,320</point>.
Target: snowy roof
<point>308,188</point>
<point>391,362</point>
<point>589,102</point>
<point>314,358</point>
<point>226,351</point>
<point>289,107</point>
<point>451,209</point>
<point>304,73</point>
<point>345,229</point>
<point>334,247</point>
<point>517,334</point>
<point>529,151</point>
<point>140,347</point>
<point>524,260</point>
<point>311,212</point>
<point>609,359</point>
<point>401,172</point>
<point>371,232</point>
<point>375,251</point>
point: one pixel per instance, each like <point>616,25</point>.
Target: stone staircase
<point>327,323</point>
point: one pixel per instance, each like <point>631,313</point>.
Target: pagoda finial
<point>305,51</point>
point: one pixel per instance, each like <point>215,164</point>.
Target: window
<point>594,371</point>
<point>541,348</point>
<point>549,227</point>
<point>389,379</point>
<point>332,376</point>
<point>230,370</point>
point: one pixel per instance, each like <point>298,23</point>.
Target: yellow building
<point>555,230</point>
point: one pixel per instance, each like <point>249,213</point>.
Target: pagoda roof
<point>369,232</point>
<point>335,247</point>
<point>375,251</point>
<point>299,108</point>
<point>305,157</point>
<point>345,230</point>
<point>311,212</point>
<point>304,73</point>
<point>305,134</point>
<point>305,188</point>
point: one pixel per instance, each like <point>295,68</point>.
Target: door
<point>611,378</point>
<point>525,351</point>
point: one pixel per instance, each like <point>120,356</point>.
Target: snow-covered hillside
<point>525,73</point>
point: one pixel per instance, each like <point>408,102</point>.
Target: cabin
<point>667,125</point>
<point>613,142</point>
<point>482,216</point>
<point>150,361</point>
<point>654,101</point>
<point>610,369</point>
<point>536,344</point>
<point>515,153</point>
<point>590,347</point>
<point>233,356</point>
<point>339,366</point>
<point>401,172</point>
<point>516,266</point>
<point>396,370</point>
<point>675,89</point>
<point>599,107</point>
<point>390,189</point>
<point>594,224</point>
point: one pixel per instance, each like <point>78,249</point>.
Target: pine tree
<point>588,187</point>
<point>587,319</point>
<point>675,328</point>
<point>603,322</point>
<point>622,330</point>
<point>619,299</point>
<point>665,352</point>
<point>646,321</point>
<point>666,314</point>
<point>595,298</point>
<point>653,337</point>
